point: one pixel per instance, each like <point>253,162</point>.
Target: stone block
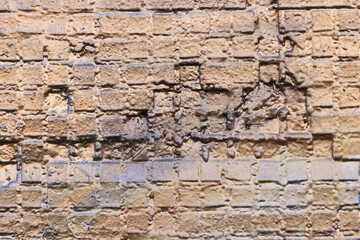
<point>322,20</point>
<point>57,172</point>
<point>348,97</point>
<point>321,169</point>
<point>294,21</point>
<point>57,50</point>
<point>136,74</point>
<point>348,19</point>
<point>210,171</point>
<point>239,169</point>
<point>188,170</point>
<point>323,195</point>
<point>322,221</point>
<point>34,125</point>
<point>83,75</point>
<point>323,123</point>
<point>348,47</point>
<point>111,50</point>
<point>221,21</point>
<point>82,172</point>
<point>58,127</point>
<point>296,169</point>
<point>200,22</point>
<point>108,75</point>
<point>269,170</point>
<point>9,153</point>
<point>242,197</point>
<point>33,100</point>
<point>162,171</point>
<point>295,195</point>
<point>31,197</point>
<point>8,198</point>
<point>295,221</point>
<point>111,126</point>
<point>164,197</point>
<point>79,24</point>
<point>32,74</point>
<point>31,173</point>
<point>244,21</point>
<point>346,171</point>
<point>10,47</point>
<point>84,100</point>
<point>110,172</point>
<point>134,172</point>
<point>322,46</point>
<point>84,125</point>
<point>349,220</point>
<point>137,222</point>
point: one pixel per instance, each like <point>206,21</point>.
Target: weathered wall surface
<point>183,119</point>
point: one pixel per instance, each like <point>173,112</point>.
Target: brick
<point>162,23</point>
<point>32,74</point>
<point>163,72</point>
<point>111,126</point>
<point>215,48</point>
<point>189,47</point>
<point>164,223</point>
<point>9,125</point>
<point>137,222</point>
<point>108,75</point>
<point>57,76</point>
<point>57,172</point>
<point>244,21</point>
<point>221,21</point>
<point>294,21</point>
<point>296,169</point>
<point>213,222</point>
<point>322,20</point>
<point>188,170</point>
<point>52,5</point>
<point>295,195</point>
<point>268,222</point>
<point>321,169</point>
<point>136,74</point>
<point>79,5</point>
<point>32,50</point>
<point>58,127</point>
<point>200,22</point>
<point>210,171</point>
<point>57,50</point>
<point>9,223</point>
<point>322,221</point>
<point>349,122</point>
<point>346,171</point>
<point>34,125</point>
<point>7,21</point>
<point>164,197</point>
<point>322,72</point>
<point>322,123</point>
<point>269,170</point>
<point>8,100</point>
<point>348,19</point>
<point>163,5</point>
<point>84,100</point>
<point>33,100</point>
<point>322,46</point>
<point>133,23</point>
<point>137,49</point>
<point>9,74</point>
<point>242,197</point>
<point>162,171</point>
<point>349,220</point>
<point>348,71</point>
<point>83,74</point>
<point>241,222</point>
<point>112,49</point>
<point>323,195</point>
<point>243,47</point>
<point>163,47</point>
<point>83,172</point>
<point>320,97</point>
<point>32,151</point>
<point>295,221</point>
<point>31,173</point>
<point>188,222</point>
<point>348,47</point>
<point>31,197</point>
<point>9,153</point>
<point>239,169</point>
<point>111,99</point>
<point>119,5</point>
<point>349,97</point>
<point>9,50</point>
<point>81,24</point>
<point>8,197</point>
<point>134,172</point>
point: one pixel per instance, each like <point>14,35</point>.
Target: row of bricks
<point>162,102</point>
<point>131,5</point>
<point>321,72</point>
<point>294,170</point>
<point>187,197</point>
<point>218,223</point>
<point>123,23</point>
<point>189,47</point>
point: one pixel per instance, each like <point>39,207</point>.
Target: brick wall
<point>179,119</point>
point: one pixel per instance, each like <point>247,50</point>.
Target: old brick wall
<point>179,119</point>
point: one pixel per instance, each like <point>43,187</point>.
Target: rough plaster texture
<point>179,119</point>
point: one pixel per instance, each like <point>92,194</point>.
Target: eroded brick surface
<point>179,119</point>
